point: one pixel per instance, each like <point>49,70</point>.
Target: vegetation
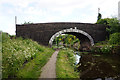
<point>106,47</point>
<point>65,65</point>
<point>67,40</point>
<point>103,21</point>
<point>112,44</point>
<point>33,68</point>
<point>115,38</point>
<point>102,49</point>
<point>22,58</point>
<point>113,23</point>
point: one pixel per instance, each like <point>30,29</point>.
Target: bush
<point>115,38</point>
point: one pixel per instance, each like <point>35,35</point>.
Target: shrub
<point>115,38</point>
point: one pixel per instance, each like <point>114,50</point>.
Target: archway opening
<point>84,39</point>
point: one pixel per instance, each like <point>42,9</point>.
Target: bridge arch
<point>71,30</point>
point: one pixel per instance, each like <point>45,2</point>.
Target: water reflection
<point>98,66</point>
<point>77,55</point>
<point>104,79</point>
<point>77,58</point>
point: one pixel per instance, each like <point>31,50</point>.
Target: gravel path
<point>49,70</point>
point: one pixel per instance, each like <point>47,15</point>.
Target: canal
<point>95,66</point>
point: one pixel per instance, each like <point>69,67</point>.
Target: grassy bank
<point>23,58</point>
<point>65,65</point>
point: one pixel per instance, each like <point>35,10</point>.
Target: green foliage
<point>66,40</point>
<point>113,23</point>
<point>115,38</point>
<point>102,43</point>
<point>103,21</point>
<point>5,36</point>
<point>102,49</point>
<point>16,52</point>
<point>65,65</point>
<point>106,49</point>
<point>95,49</point>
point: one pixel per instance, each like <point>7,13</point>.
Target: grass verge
<point>33,68</point>
<point>65,65</point>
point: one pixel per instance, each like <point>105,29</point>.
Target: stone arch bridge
<point>45,33</point>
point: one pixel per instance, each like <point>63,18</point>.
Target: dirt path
<point>49,70</point>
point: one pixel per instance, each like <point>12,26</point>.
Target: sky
<point>43,11</point>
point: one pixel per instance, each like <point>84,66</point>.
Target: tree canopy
<point>113,23</point>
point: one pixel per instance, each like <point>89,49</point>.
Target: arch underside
<point>71,31</point>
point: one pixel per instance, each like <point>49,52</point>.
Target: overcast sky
<point>41,11</point>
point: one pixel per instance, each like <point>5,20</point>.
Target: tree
<point>113,23</point>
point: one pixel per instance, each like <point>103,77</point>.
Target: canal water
<point>77,55</point>
<point>77,58</point>
<point>97,65</point>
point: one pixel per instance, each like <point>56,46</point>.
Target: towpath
<point>49,70</point>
